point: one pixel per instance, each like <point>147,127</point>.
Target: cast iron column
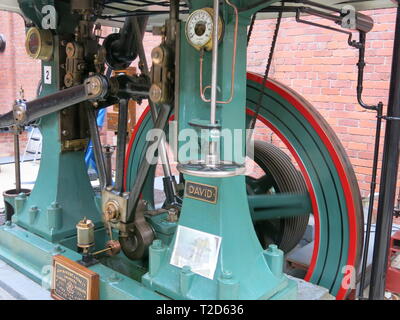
<point>387,191</point>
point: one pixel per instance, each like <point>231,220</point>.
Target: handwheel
<point>331,183</point>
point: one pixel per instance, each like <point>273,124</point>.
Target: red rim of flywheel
<point>300,106</point>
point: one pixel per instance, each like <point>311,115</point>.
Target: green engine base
<point>32,255</point>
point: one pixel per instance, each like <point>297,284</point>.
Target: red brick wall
<point>315,62</point>
<point>321,66</point>
<point>16,70</point>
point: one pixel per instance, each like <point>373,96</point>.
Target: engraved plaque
<point>72,281</point>
<point>202,192</point>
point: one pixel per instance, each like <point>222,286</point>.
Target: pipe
<point>371,202</point>
<point>360,80</point>
<point>233,65</point>
<point>387,190</point>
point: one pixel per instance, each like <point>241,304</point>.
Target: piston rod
<point>17,162</point>
<point>98,155</point>
<point>162,148</point>
<point>214,67</point>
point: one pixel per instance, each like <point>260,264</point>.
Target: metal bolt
<point>273,248</point>
<point>157,244</point>
<point>186,269</point>
<point>22,195</point>
<point>112,210</point>
<point>172,215</point>
<point>227,274</point>
<point>113,278</point>
<point>155,93</point>
<point>54,205</point>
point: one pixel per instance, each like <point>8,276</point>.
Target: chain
<point>268,67</point>
<point>253,20</point>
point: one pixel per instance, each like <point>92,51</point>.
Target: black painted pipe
<point>387,190</point>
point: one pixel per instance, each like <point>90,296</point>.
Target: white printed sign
<point>47,74</point>
<point>196,249</point>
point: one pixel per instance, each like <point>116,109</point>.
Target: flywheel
<point>324,172</point>
<point>280,176</point>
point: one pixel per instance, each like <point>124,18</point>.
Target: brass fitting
<point>39,44</point>
<point>112,210</point>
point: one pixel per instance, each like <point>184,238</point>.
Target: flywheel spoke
<point>281,205</point>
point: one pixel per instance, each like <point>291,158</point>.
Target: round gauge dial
<point>199,29</point>
<point>39,43</point>
<point>33,43</point>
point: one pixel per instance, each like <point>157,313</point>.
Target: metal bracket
<point>114,207</point>
<point>387,118</point>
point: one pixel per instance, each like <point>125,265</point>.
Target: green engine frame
<point>44,223</point>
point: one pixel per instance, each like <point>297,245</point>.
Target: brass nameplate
<point>202,192</point>
<point>72,281</point>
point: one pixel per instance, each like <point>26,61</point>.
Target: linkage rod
<point>98,154</point>
<point>93,88</point>
<point>154,113</point>
<point>121,144</point>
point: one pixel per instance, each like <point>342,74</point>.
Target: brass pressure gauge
<point>39,44</point>
<point>199,29</point>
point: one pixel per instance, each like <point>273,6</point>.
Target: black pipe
<point>361,66</point>
<point>379,109</point>
<point>387,190</point>
<point>371,201</point>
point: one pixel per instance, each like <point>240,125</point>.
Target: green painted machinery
<point>221,233</point>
